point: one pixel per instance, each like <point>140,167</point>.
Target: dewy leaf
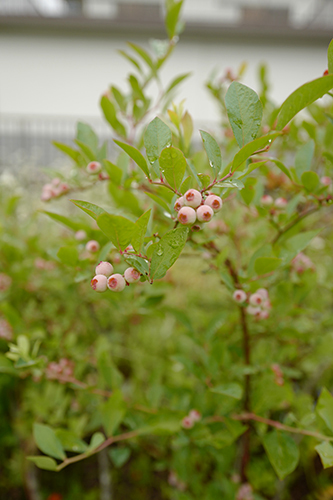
<point>310,180</point>
<point>325,451</point>
<point>232,390</point>
<point>302,97</point>
<point>139,231</point>
<point>89,208</point>
<point>110,116</point>
<point>118,229</point>
<point>330,57</point>
<point>250,148</point>
<point>173,165</point>
<point>245,111</point>
<point>303,158</point>
<point>167,251</point>
<point>113,412</point>
<point>213,152</point>
<point>264,265</point>
<point>324,408</point>
<point>45,463</point>
<point>157,137</point>
<point>48,442</point>
<point>282,451</point>
<point>135,155</point>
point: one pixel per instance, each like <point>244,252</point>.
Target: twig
<point>293,223</point>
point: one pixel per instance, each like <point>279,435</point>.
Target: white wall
<point>65,75</point>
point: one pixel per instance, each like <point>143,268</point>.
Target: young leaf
<point>143,54</point>
<point>45,463</point>
<point>139,231</point>
<point>167,251</point>
<point>86,150</point>
<point>86,135</point>
<point>324,408</point>
<point>303,97</point>
<point>110,116</point>
<point>310,181</point>
<point>282,451</point>
<point>131,60</point>
<point>245,112</point>
<point>176,82</point>
<point>159,201</point>
<point>213,152</point>
<point>173,165</point>
<point>96,440</point>
<point>172,16</point>
<point>135,155</point>
<point>325,451</point>
<point>72,153</point>
<point>157,137</point>
<point>89,208</point>
<point>113,412</point>
<point>70,441</point>
<point>118,229</point>
<point>257,145</point>
<point>330,57</point>
<point>115,173</point>
<point>48,442</point>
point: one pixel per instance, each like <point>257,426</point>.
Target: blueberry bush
<point>207,373</point>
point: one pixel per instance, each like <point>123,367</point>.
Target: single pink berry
<point>214,202</point>
<point>187,215</point>
<point>63,187</point>
<point>267,200</point>
<point>99,283</point>
<point>325,180</point>
<point>192,198</point>
<point>194,415</point>
<point>93,167</point>
<point>92,246</point>
<point>116,283</point>
<point>179,203</point>
<point>263,314</point>
<point>204,213</point>
<point>253,311</point>
<point>80,235</point>
<point>187,423</point>
<point>104,268</point>
<point>131,275</point>
<point>263,292</point>
<point>56,181</point>
<point>239,296</point>
<point>280,203</point>
<point>256,299</point>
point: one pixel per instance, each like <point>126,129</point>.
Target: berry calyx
<point>92,246</point>
<point>93,167</point>
<point>116,283</point>
<point>99,283</point>
<point>214,202</point>
<point>104,268</point>
<point>192,198</point>
<point>131,275</point>
<point>239,296</point>
<point>204,213</point>
<point>187,215</point>
<point>179,204</point>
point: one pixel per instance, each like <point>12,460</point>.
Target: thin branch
<point>216,181</point>
<point>162,183</point>
<point>293,223</point>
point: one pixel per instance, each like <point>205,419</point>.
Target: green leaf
<point>298,242</point>
<point>157,137</point>
<point>113,412</point>
<point>231,183</point>
<point>264,265</point>
<point>119,456</point>
<point>45,463</point>
<point>213,152</point>
<point>89,208</point>
<point>304,157</point>
<point>87,136</point>
<point>115,173</point>
<point>138,263</point>
<point>330,57</point>
<point>111,116</point>
<point>281,166</point>
<point>48,442</point>
<point>72,153</point>
<point>176,82</point>
<point>303,97</point>
<point>173,165</point>
<point>232,390</point>
<point>159,201</point>
<point>119,98</point>
<point>118,229</point>
<point>68,255</point>
<point>66,221</point>
<point>109,371</point>
<point>86,150</point>
<point>96,440</point>
<point>245,112</point>
<point>167,251</point>
<point>131,60</point>
<point>325,451</point>
<point>172,16</point>
<point>143,54</point>
<point>70,441</point>
<point>135,155</point>
<point>139,231</point>
<point>257,145</point>
<point>282,451</point>
<point>310,181</point>
<point>324,408</point>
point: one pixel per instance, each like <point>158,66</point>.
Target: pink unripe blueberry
<point>325,180</point>
<point>263,292</point>
<point>239,296</point>
<point>63,188</point>
<point>187,422</point>
<point>192,198</point>
<point>116,283</point>
<point>93,167</point>
<point>195,415</point>
<point>92,246</point>
<point>187,215</point>
<point>204,213</point>
<point>99,283</point>
<point>253,311</point>
<point>56,181</point>
<point>280,203</point>
<point>267,200</point>
<point>104,268</point>
<point>214,202</point>
<point>179,203</point>
<point>256,299</point>
<point>131,275</point>
<point>80,235</point>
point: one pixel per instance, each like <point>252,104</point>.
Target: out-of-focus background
<point>58,56</point>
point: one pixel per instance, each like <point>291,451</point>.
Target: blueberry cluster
<point>105,279</point>
<point>259,304</point>
<point>194,207</point>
